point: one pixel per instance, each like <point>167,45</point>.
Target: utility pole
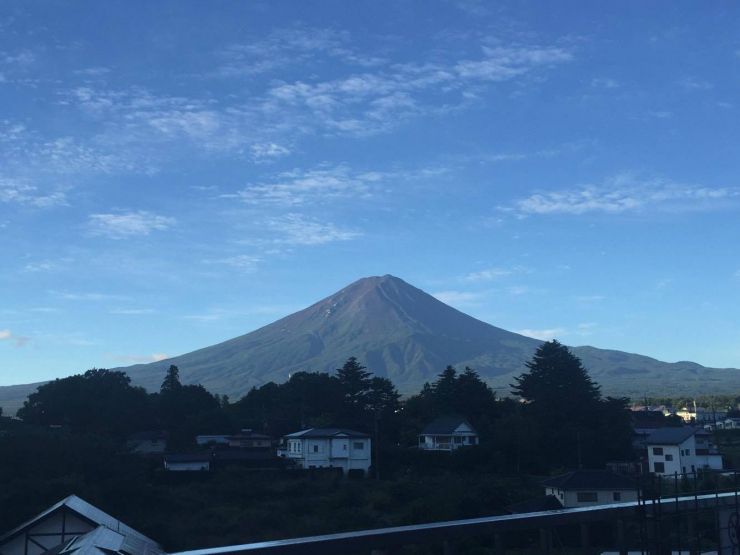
<point>377,445</point>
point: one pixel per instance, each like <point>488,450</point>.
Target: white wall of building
<point>578,498</point>
<point>347,453</point>
<point>682,458</point>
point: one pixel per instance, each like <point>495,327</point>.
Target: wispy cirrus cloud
<point>136,116</point>
<point>604,83</point>
<point>625,193</point>
<point>459,298</point>
<point>300,187</point>
<point>300,230</point>
<point>493,273</point>
<point>128,224</point>
<point>21,191</point>
<point>91,296</point>
<point>373,102</point>
<point>243,262</point>
<point>262,152</point>
<point>288,48</point>
<point>542,334</point>
<point>17,340</point>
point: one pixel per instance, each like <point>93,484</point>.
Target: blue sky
<point>174,174</point>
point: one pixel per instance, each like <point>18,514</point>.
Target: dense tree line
<point>560,419</point>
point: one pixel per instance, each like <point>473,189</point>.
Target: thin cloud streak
<point>625,194</point>
<point>128,224</point>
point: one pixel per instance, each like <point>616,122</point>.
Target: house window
<point>458,439</point>
<point>315,448</point>
<point>587,496</point>
<point>669,457</point>
<point>617,496</point>
<point>659,467</point>
<point>688,451</point>
<point>657,450</point>
<point>358,445</point>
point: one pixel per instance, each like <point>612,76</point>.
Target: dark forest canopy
<point>561,419</point>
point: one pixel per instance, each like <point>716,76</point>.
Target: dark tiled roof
<point>445,425</point>
<point>671,436</point>
<point>327,433</point>
<point>590,480</point>
<point>544,503</point>
<point>248,435</point>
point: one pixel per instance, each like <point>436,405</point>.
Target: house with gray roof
<point>448,433</point>
<point>581,488</point>
<point>75,526</point>
<point>328,448</point>
<point>681,451</point>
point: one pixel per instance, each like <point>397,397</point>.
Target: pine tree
<point>172,380</point>
<point>355,381</point>
<point>556,382</point>
<point>573,425</point>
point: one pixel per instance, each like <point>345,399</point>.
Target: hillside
<point>403,333</point>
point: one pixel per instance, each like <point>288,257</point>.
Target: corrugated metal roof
<point>104,541</point>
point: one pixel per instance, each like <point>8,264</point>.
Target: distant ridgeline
<point>402,333</point>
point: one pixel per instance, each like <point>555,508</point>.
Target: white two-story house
<point>681,450</point>
<point>328,448</point>
<point>447,433</point>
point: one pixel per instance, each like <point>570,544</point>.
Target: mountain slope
<point>397,330</point>
<point>403,333</point>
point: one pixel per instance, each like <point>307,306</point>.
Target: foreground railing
<point>649,518</point>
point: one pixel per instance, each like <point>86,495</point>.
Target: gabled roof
<point>326,433</point>
<point>446,425</point>
<point>87,512</point>
<point>104,541</point>
<point>590,480</point>
<point>671,436</point>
